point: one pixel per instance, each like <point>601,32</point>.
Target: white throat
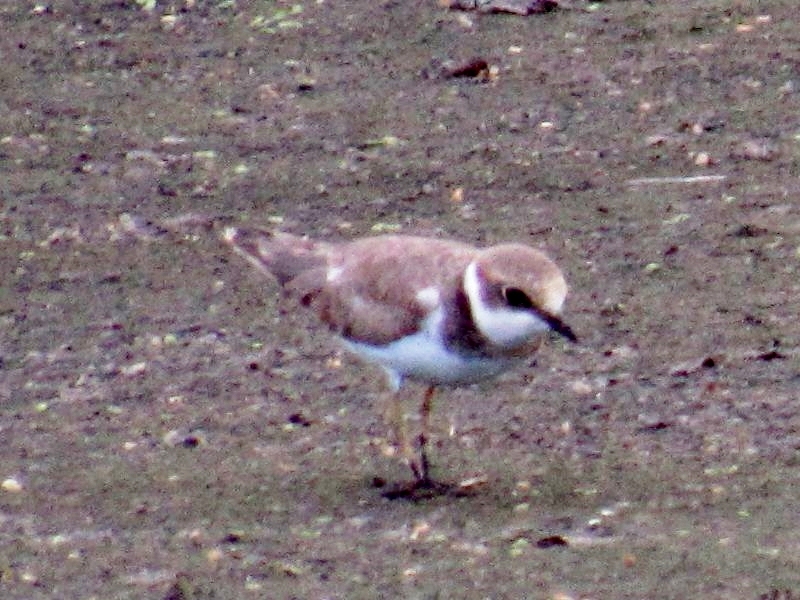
<point>501,325</point>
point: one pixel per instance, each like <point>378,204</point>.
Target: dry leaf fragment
<point>473,68</point>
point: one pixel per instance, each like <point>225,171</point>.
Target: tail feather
<point>281,255</point>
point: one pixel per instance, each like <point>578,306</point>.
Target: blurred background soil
<point>170,429</point>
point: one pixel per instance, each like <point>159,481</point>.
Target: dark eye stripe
<point>516,298</point>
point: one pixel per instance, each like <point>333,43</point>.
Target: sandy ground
<point>171,429</point>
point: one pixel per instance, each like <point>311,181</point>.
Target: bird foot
<point>427,489</point>
<point>417,490</point>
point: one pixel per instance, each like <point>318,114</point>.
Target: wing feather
<point>375,297</point>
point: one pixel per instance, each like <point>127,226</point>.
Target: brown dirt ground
<point>170,429</point>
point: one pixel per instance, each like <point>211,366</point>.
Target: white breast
<point>423,357</point>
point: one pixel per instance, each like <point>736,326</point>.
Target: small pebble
<point>134,369</point>
<point>519,547</point>
<point>629,560</point>
<point>11,484</point>
<point>702,159</point>
<point>581,388</point>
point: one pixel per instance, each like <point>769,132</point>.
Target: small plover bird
<point>436,311</point>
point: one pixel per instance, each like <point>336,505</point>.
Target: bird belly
<point>424,358</point>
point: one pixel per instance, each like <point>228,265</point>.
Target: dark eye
<point>516,298</point>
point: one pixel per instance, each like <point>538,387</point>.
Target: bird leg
<point>394,415</point>
<point>422,470</point>
<point>423,486</point>
<point>416,459</point>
